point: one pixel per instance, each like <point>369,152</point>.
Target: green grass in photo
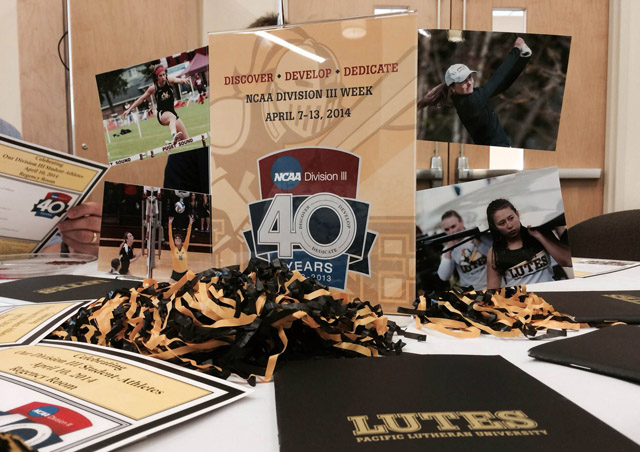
<point>195,118</point>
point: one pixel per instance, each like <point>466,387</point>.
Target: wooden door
<point>581,136</point>
<point>109,35</point>
<point>43,92</point>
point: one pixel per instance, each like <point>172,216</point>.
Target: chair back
<point>611,236</point>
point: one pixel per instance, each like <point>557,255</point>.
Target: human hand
<point>190,220</point>
<point>170,220</point>
<point>81,229</point>
<point>535,233</point>
<point>448,245</point>
<point>525,51</point>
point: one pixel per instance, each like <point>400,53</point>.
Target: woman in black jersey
<point>193,208</point>
<point>472,103</point>
<point>520,255</point>
<point>204,212</point>
<point>162,88</point>
<point>127,256</point>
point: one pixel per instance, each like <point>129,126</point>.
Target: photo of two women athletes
<point>486,234</point>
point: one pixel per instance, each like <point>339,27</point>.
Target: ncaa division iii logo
<point>286,172</point>
<point>53,205</point>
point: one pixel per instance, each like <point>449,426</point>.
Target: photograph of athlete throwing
<point>162,89</point>
<point>491,88</point>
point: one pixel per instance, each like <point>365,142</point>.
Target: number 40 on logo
<point>323,225</point>
<point>53,205</point>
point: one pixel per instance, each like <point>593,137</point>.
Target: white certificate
<point>37,188</point>
<point>81,397</point>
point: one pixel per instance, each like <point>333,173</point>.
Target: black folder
<point>597,306</point>
<point>47,289</point>
<point>613,351</point>
<point>431,402</point>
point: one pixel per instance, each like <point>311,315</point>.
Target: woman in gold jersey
<point>179,251</point>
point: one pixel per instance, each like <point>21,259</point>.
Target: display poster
<point>82,397</point>
<point>31,323</point>
<point>313,151</point>
<point>38,186</point>
<point>154,232</point>
<point>503,231</point>
<point>491,88</point>
<point>155,107</point>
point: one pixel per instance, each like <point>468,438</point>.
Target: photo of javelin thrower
<point>492,233</point>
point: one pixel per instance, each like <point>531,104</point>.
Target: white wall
<point>10,107</point>
<point>226,15</point>
<point>622,155</point>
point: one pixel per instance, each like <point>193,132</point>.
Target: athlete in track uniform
<point>162,88</point>
<point>520,255</point>
<point>472,103</point>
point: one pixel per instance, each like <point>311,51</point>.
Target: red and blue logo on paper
<point>42,424</point>
<point>53,205</point>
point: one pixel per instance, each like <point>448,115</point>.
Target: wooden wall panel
<point>114,34</point>
<point>299,11</point>
<point>581,137</point>
<point>42,76</point>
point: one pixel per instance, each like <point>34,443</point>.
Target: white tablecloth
<point>250,424</point>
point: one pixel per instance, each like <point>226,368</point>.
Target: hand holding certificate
<point>39,188</point>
